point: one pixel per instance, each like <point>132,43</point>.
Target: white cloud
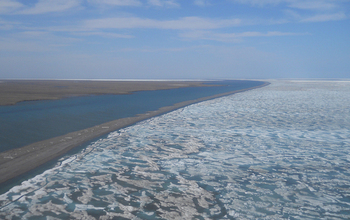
<point>304,10</point>
<point>117,2</point>
<point>35,41</point>
<point>201,3</point>
<point>7,6</point>
<point>297,4</point>
<point>325,17</point>
<point>47,6</point>
<point>179,24</point>
<point>43,37</point>
<point>258,2</point>
<point>267,34</point>
<point>163,3</point>
<point>157,50</point>
<point>105,34</point>
<point>34,34</point>
<point>15,45</point>
<point>232,37</point>
<point>313,5</point>
<point>318,17</point>
<point>7,25</point>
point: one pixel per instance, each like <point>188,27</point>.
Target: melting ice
<point>281,151</point>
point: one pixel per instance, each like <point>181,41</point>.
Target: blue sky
<point>174,39</point>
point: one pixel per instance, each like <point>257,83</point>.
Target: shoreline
<point>16,162</point>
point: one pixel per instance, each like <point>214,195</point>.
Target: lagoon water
<point>278,152</point>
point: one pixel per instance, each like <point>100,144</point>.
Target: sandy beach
<point>19,161</point>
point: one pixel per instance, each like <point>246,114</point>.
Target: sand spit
<point>14,91</point>
<point>19,161</point>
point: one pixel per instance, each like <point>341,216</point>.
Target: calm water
<point>29,122</point>
<point>278,152</point>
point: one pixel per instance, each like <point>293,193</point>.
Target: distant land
<point>14,91</point>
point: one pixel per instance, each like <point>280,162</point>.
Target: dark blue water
<point>29,122</point>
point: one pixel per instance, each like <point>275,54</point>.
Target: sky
<point>174,39</point>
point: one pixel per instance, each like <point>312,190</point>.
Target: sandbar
<point>22,160</point>
<point>14,91</point>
